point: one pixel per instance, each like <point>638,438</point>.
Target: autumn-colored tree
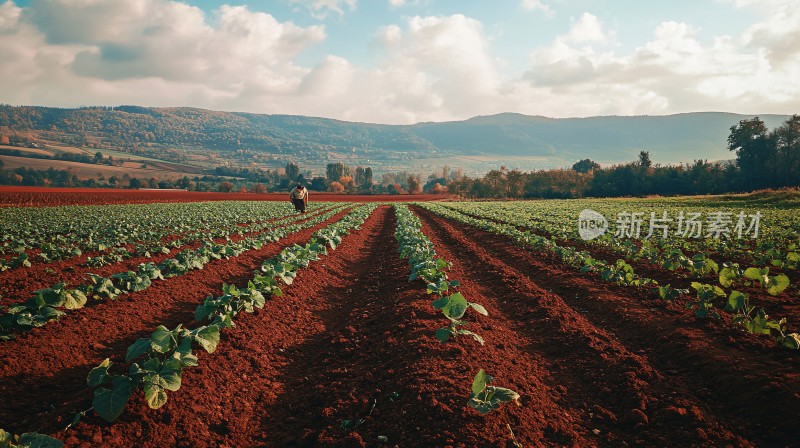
<point>226,187</point>
<point>414,184</point>
<point>336,187</point>
<point>439,189</point>
<point>4,140</point>
<point>259,188</point>
<point>243,190</point>
<point>349,183</point>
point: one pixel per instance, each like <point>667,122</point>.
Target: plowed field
<point>347,357</point>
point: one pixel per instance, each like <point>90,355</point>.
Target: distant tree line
<point>764,159</point>
<point>339,178</point>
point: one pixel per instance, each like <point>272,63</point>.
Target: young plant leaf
<point>108,403</point>
<point>208,338</point>
<point>154,395</point>
<point>140,347</point>
<point>74,299</point>
<point>98,374</point>
<point>456,306</point>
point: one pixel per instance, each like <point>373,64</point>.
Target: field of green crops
<point>726,253</point>
<point>529,323</point>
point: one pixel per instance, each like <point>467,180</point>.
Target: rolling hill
<point>209,138</point>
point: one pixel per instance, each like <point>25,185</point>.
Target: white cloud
<point>536,5</point>
<point>396,3</point>
<point>431,68</point>
<point>587,30</point>
<point>321,8</point>
<point>674,71</point>
<point>169,51</point>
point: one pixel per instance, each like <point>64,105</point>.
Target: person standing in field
<point>299,197</point>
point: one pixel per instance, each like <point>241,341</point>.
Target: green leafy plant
<point>28,440</point>
<point>160,360</point>
<point>622,273</point>
<point>669,293</point>
<point>421,255</point>
<point>485,398</point>
<point>705,300</point>
<point>453,307</point>
<point>774,284</point>
<point>103,288</point>
<point>760,323</point>
<point>730,274</point>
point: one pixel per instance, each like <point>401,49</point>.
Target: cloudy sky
<point>405,61</point>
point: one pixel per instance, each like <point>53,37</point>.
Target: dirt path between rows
<point>378,366</point>
<point>705,388</point>
<point>16,285</point>
<point>351,340</point>
<point>783,305</point>
<point>43,372</point>
<point>224,400</point>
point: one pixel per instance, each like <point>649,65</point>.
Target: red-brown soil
<point>16,285</point>
<point>45,370</point>
<point>352,339</point>
<point>692,374</point>
<point>43,196</point>
<point>783,305</point>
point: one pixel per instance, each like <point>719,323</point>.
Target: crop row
<point>155,364</point>
<point>745,315</point>
<point>426,266</point>
<point>162,246</point>
<point>776,246</point>
<point>142,249</point>
<point>672,259</point>
<point>63,232</point>
<point>48,304</point>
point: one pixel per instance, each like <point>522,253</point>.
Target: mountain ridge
<point>482,142</point>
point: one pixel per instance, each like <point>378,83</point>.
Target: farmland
<point>198,321</point>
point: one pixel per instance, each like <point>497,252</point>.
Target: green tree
<point>754,151</point>
<point>585,166</point>
<point>319,184</point>
<point>335,171</point>
<point>644,159</point>
<point>368,178</point>
<point>787,140</point>
<point>292,171</point>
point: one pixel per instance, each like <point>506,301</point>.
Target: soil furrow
<point>19,283</point>
<point>221,400</point>
<point>781,305</point>
<point>619,392</point>
<point>43,374</point>
<point>378,367</point>
<point>746,390</point>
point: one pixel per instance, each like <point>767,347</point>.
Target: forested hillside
<point>516,140</point>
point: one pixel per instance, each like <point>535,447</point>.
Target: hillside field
<point>155,319</point>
